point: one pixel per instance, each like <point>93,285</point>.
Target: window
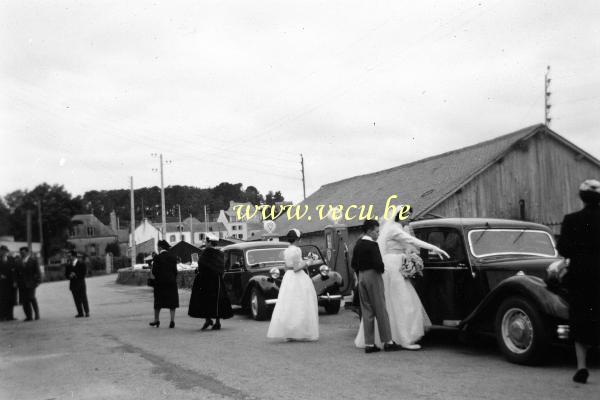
<point>487,242</point>
<point>201,236</point>
<point>90,231</point>
<point>448,239</point>
<point>236,260</point>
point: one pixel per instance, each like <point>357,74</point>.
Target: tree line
<point>58,206</point>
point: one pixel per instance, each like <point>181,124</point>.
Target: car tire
<point>332,307</point>
<point>258,307</point>
<point>521,331</point>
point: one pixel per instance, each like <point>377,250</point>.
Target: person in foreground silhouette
<point>166,295</point>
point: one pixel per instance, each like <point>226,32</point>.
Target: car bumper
<point>323,297</point>
<point>330,297</point>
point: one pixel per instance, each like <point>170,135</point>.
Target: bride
<point>408,319</point>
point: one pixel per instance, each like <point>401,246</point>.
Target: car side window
<point>448,239</point>
<point>236,260</point>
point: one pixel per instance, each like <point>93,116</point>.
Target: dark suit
<point>77,286</point>
<point>29,277</point>
<point>580,242</point>
<point>8,291</point>
<point>367,262</point>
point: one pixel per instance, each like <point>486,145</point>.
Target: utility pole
<point>192,228</point>
<point>547,94</point>
<point>39,204</point>
<point>303,180</point>
<point>132,227</point>
<point>162,194</point>
<point>29,230</point>
<point>180,227</point>
<point>205,220</point>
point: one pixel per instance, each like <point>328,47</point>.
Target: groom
<point>367,262</point>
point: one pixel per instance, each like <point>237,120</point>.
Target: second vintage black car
<point>253,273</point>
<point>494,282</point>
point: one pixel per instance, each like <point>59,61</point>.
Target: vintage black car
<point>494,282</point>
<point>254,270</point>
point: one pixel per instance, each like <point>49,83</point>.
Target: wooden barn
<point>532,174</point>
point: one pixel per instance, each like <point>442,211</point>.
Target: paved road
<point>115,355</point>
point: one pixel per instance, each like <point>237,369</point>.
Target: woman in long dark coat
<point>580,242</point>
<point>164,269</point>
<point>209,297</point>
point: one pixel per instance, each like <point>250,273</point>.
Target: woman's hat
<point>163,244</point>
<point>294,234</point>
<point>590,185</point>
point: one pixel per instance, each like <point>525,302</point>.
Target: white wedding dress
<point>296,313</point>
<point>408,319</point>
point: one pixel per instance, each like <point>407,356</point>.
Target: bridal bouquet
<point>412,266</point>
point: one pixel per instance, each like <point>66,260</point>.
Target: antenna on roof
<point>547,94</point>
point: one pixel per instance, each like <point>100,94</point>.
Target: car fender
<point>268,286</point>
<point>333,281</point>
<point>527,286</point>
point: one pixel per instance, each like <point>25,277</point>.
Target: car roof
<point>255,245</point>
<point>478,223</point>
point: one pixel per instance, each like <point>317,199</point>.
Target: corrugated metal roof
<point>421,183</point>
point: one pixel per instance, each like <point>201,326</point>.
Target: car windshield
<point>263,256</point>
<point>491,242</point>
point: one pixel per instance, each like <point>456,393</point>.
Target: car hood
<point>499,268</point>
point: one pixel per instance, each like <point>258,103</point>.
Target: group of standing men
<point>22,275</point>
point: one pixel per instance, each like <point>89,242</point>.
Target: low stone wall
<point>139,277</point>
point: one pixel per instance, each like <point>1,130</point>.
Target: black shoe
<point>155,323</point>
<point>392,347</point>
<point>206,324</point>
<point>216,326</point>
<point>581,376</point>
<point>27,319</point>
<point>37,317</point>
<point>87,315</point>
<point>172,324</point>
<point>372,349</point>
<point>79,316</point>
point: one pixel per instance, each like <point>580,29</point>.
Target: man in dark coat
<point>29,276</point>
<point>7,285</point>
<point>579,242</point>
<point>75,271</point>
<point>166,295</point>
<point>209,297</point>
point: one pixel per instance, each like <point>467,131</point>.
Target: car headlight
<point>324,270</point>
<point>274,272</point>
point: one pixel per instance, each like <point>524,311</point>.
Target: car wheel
<point>332,307</point>
<point>521,331</point>
<point>258,307</point>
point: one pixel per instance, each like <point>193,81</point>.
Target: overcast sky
<point>236,90</point>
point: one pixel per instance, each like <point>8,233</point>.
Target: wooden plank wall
<point>543,172</point>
